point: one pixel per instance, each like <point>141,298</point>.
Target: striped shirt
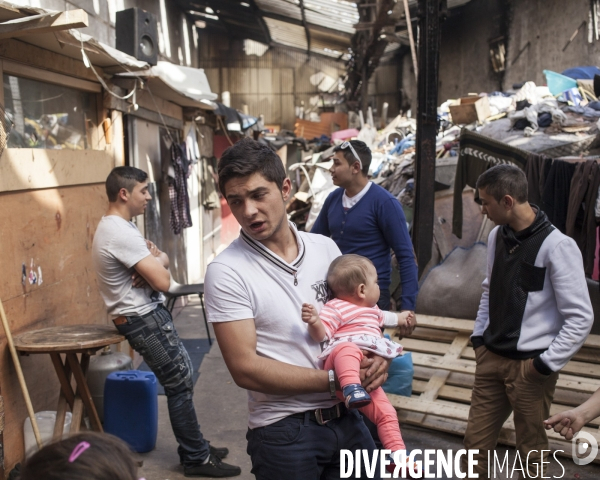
<point>342,318</point>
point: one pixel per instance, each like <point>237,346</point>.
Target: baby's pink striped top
<point>342,318</point>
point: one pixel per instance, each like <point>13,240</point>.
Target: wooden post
<point>24,390</point>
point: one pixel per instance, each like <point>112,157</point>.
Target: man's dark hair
<point>123,177</point>
<point>362,151</point>
<point>504,180</point>
<point>247,157</point>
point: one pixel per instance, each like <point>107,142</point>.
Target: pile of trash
<point>392,167</point>
<point>557,119</point>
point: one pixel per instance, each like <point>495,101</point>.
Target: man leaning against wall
<point>132,272</point>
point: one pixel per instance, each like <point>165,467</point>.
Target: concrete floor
<point>221,407</point>
<point>222,412</point>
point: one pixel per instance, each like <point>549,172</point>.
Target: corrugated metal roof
<point>317,12</point>
<point>285,8</point>
<point>286,33</point>
<point>330,22</point>
<point>322,12</point>
<point>291,35</point>
<point>451,3</point>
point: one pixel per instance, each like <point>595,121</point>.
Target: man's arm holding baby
<point>229,309</point>
<point>237,340</point>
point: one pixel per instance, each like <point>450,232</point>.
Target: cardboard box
<point>470,109</point>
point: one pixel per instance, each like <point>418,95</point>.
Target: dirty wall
<point>535,34</point>
<point>271,84</point>
<point>541,30</point>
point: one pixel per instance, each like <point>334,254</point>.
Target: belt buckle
<point>319,415</point>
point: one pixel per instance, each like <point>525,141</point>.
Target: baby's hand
<point>405,318</point>
<point>309,314</point>
<point>406,322</point>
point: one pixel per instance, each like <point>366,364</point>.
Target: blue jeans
<point>154,337</point>
<point>301,449</point>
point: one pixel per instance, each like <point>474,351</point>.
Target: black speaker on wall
<point>137,34</point>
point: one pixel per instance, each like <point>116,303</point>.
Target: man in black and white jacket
<point>534,315</point>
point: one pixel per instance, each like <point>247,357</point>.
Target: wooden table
<point>70,340</point>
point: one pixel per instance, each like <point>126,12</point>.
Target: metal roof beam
<point>302,50</point>
<point>306,30</point>
<point>261,21</point>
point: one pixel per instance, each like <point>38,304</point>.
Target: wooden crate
<point>469,110</point>
<point>444,364</point>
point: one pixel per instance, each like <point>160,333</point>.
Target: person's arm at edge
<point>569,422</point>
<point>393,225</point>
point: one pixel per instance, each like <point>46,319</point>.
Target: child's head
<point>354,278</point>
<point>85,456</point>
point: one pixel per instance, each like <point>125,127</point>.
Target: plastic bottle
<point>45,421</point>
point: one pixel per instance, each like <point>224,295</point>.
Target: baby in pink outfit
<point>350,323</point>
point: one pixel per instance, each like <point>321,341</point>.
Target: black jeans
<point>301,449</point>
<point>154,337</point>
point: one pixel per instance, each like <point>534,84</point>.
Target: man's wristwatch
<point>332,384</point>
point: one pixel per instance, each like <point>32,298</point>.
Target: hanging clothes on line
<point>536,171</point>
<point>581,221</point>
<point>557,189</point>
<point>178,193</point>
<point>477,154</point>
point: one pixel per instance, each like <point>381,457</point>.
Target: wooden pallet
<point>444,364</point>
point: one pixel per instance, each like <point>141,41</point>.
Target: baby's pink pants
<point>345,360</point>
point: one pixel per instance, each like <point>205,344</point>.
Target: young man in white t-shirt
<point>254,294</point>
<point>131,274</point>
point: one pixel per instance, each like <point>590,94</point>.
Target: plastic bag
<point>400,376</point>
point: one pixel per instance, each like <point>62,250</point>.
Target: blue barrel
<point>131,408</point>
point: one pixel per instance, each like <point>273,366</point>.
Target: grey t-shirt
<point>118,246</point>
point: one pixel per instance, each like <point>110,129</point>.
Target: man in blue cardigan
<point>364,218</point>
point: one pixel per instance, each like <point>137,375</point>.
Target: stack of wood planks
<point>444,364</point>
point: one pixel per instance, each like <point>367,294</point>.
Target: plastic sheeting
<point>321,186</point>
<point>184,86</point>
